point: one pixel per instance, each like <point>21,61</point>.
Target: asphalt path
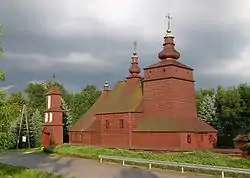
<point>84,168</point>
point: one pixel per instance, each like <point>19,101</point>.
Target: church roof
<point>123,98</point>
<point>161,124</point>
<point>168,62</point>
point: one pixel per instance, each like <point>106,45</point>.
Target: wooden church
<point>153,110</point>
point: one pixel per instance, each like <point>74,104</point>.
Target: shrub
<point>21,172</point>
<point>49,149</point>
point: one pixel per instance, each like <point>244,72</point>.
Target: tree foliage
<point>232,111</point>
<point>8,113</point>
<point>82,101</point>
<point>207,109</point>
<point>2,76</point>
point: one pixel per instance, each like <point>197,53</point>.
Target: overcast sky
<point>87,42</point>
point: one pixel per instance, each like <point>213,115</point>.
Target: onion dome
<point>168,51</point>
<point>134,69</point>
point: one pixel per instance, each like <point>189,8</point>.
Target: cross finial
<point>169,17</point>
<point>134,47</point>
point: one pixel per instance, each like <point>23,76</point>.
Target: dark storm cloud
<point>201,45</point>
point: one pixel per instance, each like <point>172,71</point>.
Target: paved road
<point>83,168</point>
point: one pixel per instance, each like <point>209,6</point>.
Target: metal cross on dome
<point>134,47</point>
<point>169,17</point>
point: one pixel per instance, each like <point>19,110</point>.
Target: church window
<point>189,138</point>
<point>164,70</point>
<point>121,123</point>
<point>210,138</point>
<point>46,117</point>
<point>107,124</point>
<point>49,102</point>
<point>50,117</point>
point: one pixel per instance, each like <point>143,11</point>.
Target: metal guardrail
<point>221,169</point>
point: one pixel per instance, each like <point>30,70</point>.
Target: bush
<point>21,172</point>
<point>49,149</point>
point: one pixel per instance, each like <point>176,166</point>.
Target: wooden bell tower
<point>52,129</point>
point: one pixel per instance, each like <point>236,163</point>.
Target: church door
<point>46,139</point>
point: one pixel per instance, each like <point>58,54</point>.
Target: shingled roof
<point>169,62</point>
<point>123,98</point>
<point>161,124</point>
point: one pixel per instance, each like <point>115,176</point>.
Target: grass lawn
<point>195,157</point>
<point>7,171</point>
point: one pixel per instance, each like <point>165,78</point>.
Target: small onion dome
<point>168,48</point>
<point>134,69</point>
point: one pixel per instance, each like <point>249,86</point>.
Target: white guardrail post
<point>149,166</point>
<point>222,174</point>
<point>221,169</point>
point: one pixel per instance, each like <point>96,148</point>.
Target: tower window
<point>49,102</point>
<point>164,70</point>
<point>189,138</point>
<point>106,124</point>
<point>121,123</point>
<point>46,117</point>
<point>50,117</point>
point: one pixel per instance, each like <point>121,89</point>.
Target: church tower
<point>52,129</point>
<point>168,85</point>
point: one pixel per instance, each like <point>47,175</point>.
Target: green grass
<point>7,171</point>
<point>195,157</point>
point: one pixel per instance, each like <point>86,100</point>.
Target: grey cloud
<point>202,41</point>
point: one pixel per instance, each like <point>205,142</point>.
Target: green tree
<point>207,109</point>
<point>229,109</point>
<point>35,127</point>
<point>36,96</point>
<point>8,113</point>
<point>81,102</point>
<point>201,93</point>
<point>67,121</point>
<point>244,91</point>
<point>2,77</point>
